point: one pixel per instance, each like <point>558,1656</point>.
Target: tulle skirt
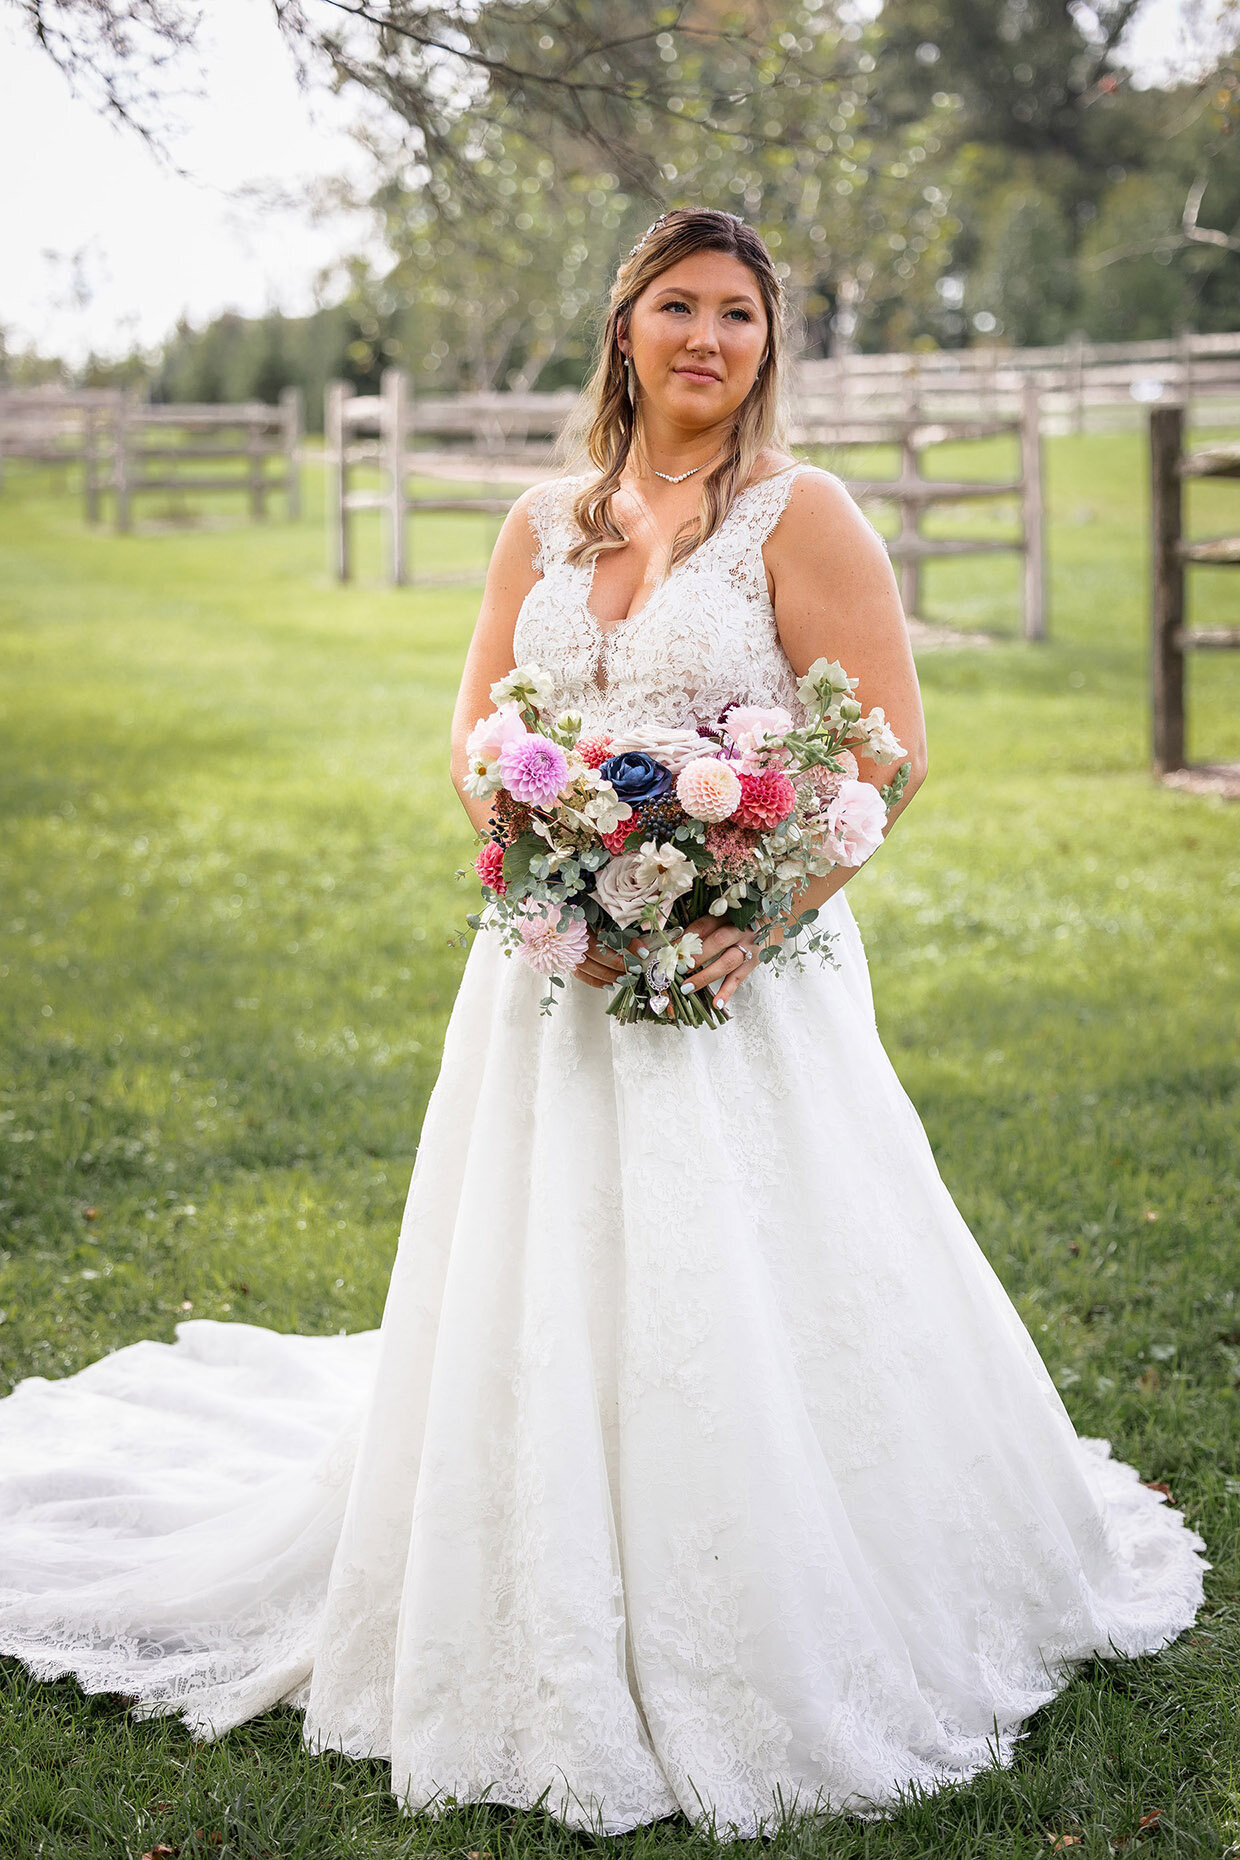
<point>700,1461</point>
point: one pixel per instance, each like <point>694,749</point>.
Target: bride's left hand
<point>728,955</point>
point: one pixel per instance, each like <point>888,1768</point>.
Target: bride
<point>700,1462</point>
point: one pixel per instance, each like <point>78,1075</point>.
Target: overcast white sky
<point>100,246</point>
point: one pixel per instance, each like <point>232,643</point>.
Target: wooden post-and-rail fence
<point>916,431</point>
<point>1171,637</point>
<point>127,447</point>
<point>121,450</point>
<point>376,430</point>
<point>511,439</point>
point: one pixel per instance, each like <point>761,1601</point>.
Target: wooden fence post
<point>293,423</point>
<point>1077,389</point>
<point>90,463</point>
<point>335,440</point>
<point>255,433</point>
<point>122,463</point>
<point>394,393</point>
<point>1166,587</point>
<point>1033,506</point>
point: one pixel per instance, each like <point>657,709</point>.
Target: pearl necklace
<point>678,477</point>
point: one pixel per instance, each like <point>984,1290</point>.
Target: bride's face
<point>696,336</point>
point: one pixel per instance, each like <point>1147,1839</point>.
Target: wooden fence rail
<point>1171,637</point>
<point>121,450</point>
<point>127,447</point>
<point>49,426</point>
<point>512,440</point>
<point>1077,379</point>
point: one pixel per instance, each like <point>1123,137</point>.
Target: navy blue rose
<point>635,776</point>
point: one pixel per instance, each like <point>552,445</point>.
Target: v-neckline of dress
<point>604,630</point>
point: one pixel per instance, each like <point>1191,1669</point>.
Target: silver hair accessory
<point>655,225</point>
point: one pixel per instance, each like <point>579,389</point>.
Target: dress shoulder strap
<point>769,499</point>
<point>551,519</point>
<point>760,506</point>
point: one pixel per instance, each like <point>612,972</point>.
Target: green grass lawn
<point>227,952</point>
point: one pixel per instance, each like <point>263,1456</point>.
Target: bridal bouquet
<point>634,836</point>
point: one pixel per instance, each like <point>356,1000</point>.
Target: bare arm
<point>510,577</point>
<point>835,597</point>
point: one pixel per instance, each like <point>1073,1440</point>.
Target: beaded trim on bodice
<point>705,639</point>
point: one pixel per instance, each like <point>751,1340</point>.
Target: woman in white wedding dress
<point>700,1462</point>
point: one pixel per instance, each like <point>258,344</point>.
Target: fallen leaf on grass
<point>1064,1840</point>
<point>1148,1381</point>
<point>1146,1825</point>
<point>1157,1485</point>
<point>161,1853</point>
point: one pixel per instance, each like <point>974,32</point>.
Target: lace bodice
<point>706,638</point>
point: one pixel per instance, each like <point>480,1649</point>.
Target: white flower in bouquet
<point>665,866</point>
<point>881,742</point>
<point>525,684</point>
<point>604,810</point>
<point>671,749</point>
<point>826,679</point>
<point>482,778</point>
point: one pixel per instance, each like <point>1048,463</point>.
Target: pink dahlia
<point>708,788</point>
<point>594,750</point>
<point>766,799</point>
<point>552,944</point>
<point>489,865</point>
<point>533,770</point>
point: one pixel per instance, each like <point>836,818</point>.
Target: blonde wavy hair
<point>613,422</point>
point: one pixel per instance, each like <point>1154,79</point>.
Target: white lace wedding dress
<point>700,1461</point>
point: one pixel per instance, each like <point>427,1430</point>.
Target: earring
<point>628,380</point>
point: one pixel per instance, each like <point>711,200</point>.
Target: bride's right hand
<point>600,967</point>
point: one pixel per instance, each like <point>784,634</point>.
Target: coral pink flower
<point>594,750</point>
<point>489,865</point>
<point>708,788</point>
<point>547,947</point>
<point>766,799</point>
<point>614,841</point>
<point>533,770</point>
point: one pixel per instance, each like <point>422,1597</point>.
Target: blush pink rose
<point>492,734</point>
<point>855,818</point>
<point>747,727</point>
